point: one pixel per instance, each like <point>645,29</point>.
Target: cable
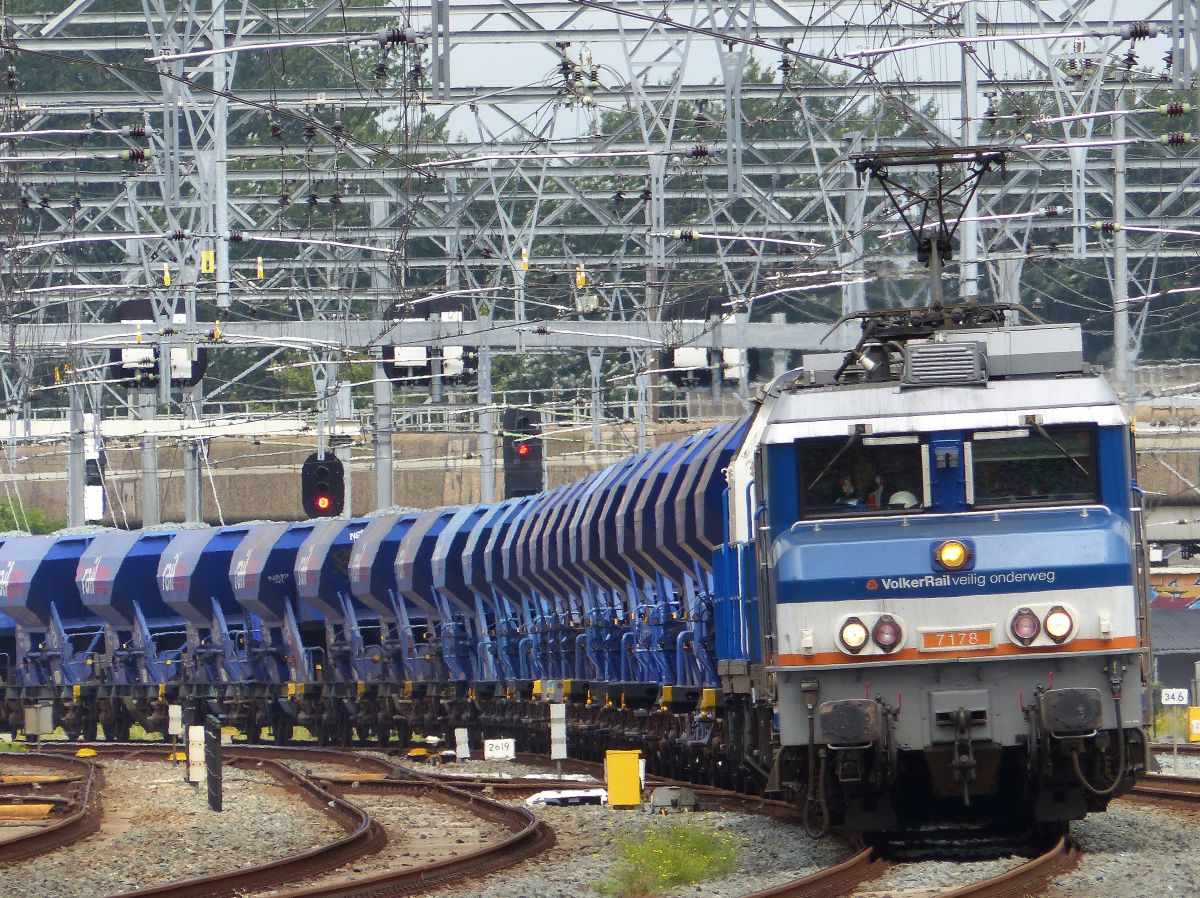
<point>1120,772</point>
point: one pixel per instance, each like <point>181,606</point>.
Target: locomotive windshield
<point>1034,466</point>
<point>860,475</point>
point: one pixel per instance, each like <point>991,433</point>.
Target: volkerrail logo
<point>974,580</point>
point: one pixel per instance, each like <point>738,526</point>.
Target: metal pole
<point>384,488</point>
<point>382,389</point>
<point>656,287</point>
<point>341,407</point>
<point>519,291</point>
<point>1120,273</point>
<point>643,389</point>
<point>193,490</point>
<point>436,352</point>
<point>935,273</point>
<point>779,357</point>
<point>75,458</point>
<point>145,403</point>
<point>487,418</point>
<point>212,763</point>
<point>969,248</point>
<point>596,362</point>
<point>854,296</point>
<point>220,155</point>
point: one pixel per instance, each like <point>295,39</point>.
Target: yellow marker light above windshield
<point>952,554</point>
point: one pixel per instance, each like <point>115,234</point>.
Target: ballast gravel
<point>483,769</point>
<point>585,852</point>
<point>1178,765</point>
<point>158,829</point>
<point>919,878</point>
<point>419,831</point>
<point>1134,851</point>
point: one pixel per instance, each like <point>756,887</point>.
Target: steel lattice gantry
<point>340,163</point>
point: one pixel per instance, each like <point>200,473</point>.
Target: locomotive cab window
<point>860,475</point>
<point>1033,466</point>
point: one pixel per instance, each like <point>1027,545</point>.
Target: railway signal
<point>523,451</point>
<point>322,486</point>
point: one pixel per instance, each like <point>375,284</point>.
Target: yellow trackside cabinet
<point>1193,724</point>
<point>623,771</point>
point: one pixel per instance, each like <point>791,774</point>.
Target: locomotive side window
<point>860,475</point>
<point>1034,466</point>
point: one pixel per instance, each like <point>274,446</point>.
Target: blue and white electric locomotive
<point>941,535</point>
<point>908,585</point>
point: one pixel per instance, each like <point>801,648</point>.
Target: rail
<point>1169,789</point>
<point>529,836</point>
<point>83,809</point>
<point>363,835</point>
<point>1025,879</point>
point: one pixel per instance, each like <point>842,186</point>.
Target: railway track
<point>372,775</point>
<point>529,836</point>
<point>1028,878</point>
<point>842,879</point>
<point>1165,788</point>
<point>75,816</point>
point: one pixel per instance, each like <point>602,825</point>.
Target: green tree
<point>30,520</point>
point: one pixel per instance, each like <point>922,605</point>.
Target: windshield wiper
<point>845,446</point>
<point>1057,445</point>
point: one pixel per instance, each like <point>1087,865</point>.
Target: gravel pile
<point>419,831</point>
<point>158,829</point>
<point>1133,851</point>
<point>1189,765</point>
<point>584,854</point>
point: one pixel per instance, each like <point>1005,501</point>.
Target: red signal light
<point>522,449</point>
<point>323,503</point>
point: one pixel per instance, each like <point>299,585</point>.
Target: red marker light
<point>522,449</point>
<point>323,503</point>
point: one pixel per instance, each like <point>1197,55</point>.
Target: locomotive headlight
<point>1025,626</point>
<point>886,633</point>
<point>952,554</point>
<point>1059,623</point>
<point>854,635</point>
